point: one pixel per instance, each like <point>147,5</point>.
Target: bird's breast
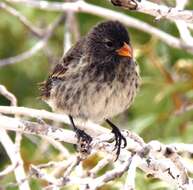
<point>85,98</point>
<point>107,99</point>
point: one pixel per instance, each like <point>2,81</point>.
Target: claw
<point>84,140</point>
<point>124,142</point>
<point>116,139</point>
<point>119,139</point>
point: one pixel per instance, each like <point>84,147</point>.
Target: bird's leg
<point>84,139</point>
<point>119,138</point>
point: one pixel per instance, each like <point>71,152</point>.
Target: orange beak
<point>125,51</point>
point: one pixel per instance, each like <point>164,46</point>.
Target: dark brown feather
<point>71,57</point>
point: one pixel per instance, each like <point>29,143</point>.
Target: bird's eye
<point>109,44</point>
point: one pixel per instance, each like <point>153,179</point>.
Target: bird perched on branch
<point>95,80</point>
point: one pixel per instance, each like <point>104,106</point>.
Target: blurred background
<point>166,72</point>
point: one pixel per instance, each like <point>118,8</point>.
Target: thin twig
<point>8,95</point>
<point>13,150</point>
<point>182,26</point>
<point>39,45</point>
<point>34,30</point>
<point>131,174</point>
<point>81,6</point>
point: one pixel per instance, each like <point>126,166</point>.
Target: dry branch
<point>159,11</point>
<point>161,161</point>
<point>13,149</point>
<point>36,31</point>
<point>38,46</point>
<point>81,6</point>
<point>43,114</point>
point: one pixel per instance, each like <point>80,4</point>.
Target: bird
<point>95,80</point>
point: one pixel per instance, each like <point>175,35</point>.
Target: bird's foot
<point>119,138</point>
<point>84,142</point>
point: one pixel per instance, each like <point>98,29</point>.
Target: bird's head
<point>109,41</point>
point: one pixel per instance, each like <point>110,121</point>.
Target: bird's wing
<point>70,60</point>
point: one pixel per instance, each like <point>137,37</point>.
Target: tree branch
<point>52,116</point>
<point>13,150</point>
<point>39,45</point>
<point>34,30</point>
<point>182,26</point>
<point>159,11</point>
<point>161,161</point>
<point>81,6</point>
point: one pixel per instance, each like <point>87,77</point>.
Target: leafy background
<point>167,83</point>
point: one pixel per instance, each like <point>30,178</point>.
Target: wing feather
<point>71,59</point>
